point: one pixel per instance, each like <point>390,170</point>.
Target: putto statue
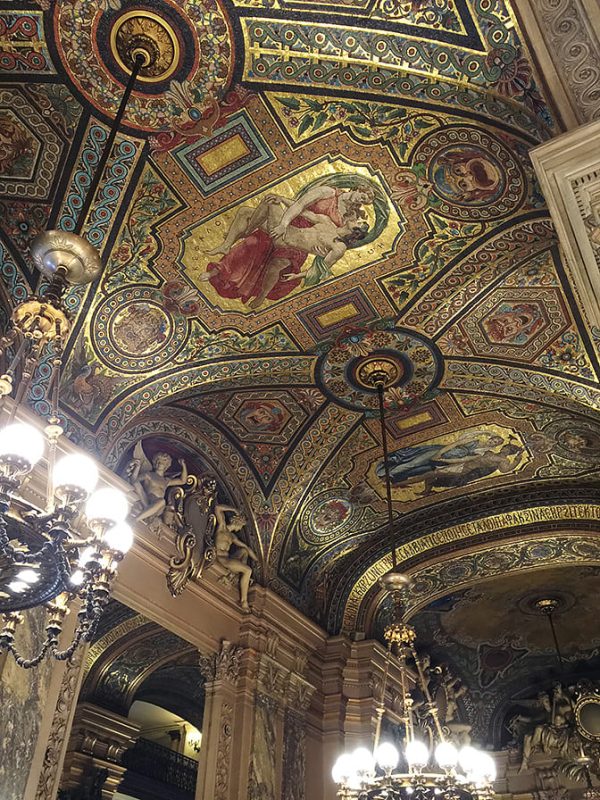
<point>151,485</point>
<point>185,508</point>
<point>234,560</point>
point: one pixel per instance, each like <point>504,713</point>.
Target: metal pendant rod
<point>556,645</point>
<point>388,485</point>
<point>91,192</point>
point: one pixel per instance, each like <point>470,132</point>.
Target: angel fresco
<point>264,253</point>
<point>474,455</point>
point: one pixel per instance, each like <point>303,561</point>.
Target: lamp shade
<point>364,763</point>
<point>76,470</point>
<point>387,756</point>
<point>417,754</point>
<point>119,537</point>
<point>28,575</point>
<point>446,755</point>
<point>483,768</point>
<point>88,554</point>
<point>77,577</point>
<point>467,758</point>
<point>107,504</point>
<point>343,769</point>
<point>20,440</point>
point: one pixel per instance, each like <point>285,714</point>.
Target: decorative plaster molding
<point>571,36</point>
<point>50,773</point>
<point>569,171</point>
<point>224,753</point>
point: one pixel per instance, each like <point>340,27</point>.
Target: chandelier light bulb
<point>119,538</point>
<point>343,769</point>
<point>107,505</point>
<point>364,763</point>
<point>446,755</point>
<point>467,758</point>
<point>28,575</point>
<point>387,756</point>
<point>87,555</point>
<point>417,754</point>
<point>21,441</point>
<point>484,768</point>
<point>77,471</point>
<point>76,578</point>
<point>18,586</point>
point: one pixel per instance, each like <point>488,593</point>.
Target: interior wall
<point>23,695</point>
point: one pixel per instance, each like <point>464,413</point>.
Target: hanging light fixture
<point>69,550</point>
<point>421,771</point>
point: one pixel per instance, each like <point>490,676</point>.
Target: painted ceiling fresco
<point>300,184</point>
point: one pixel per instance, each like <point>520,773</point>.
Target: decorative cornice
<point>571,37</point>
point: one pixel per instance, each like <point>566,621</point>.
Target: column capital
<point>223,665</point>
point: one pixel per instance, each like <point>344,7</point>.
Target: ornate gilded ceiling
<point>298,185</point>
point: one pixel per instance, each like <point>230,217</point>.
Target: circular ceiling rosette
<point>186,50</point>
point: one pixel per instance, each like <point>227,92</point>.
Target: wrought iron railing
<point>161,764</point>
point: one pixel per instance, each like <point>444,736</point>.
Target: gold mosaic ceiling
<point>298,185</point>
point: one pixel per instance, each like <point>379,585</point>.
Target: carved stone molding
<point>98,736</point>
<point>50,775</point>
<point>286,687</point>
<point>569,171</point>
<point>573,40</point>
<point>224,753</point>
<point>224,665</point>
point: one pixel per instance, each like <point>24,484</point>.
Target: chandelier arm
<point>381,707</point>
<point>6,343</point>
<point>91,192</point>
<point>386,464</point>
<point>30,362</point>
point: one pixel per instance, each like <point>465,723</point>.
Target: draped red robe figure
<point>242,271</point>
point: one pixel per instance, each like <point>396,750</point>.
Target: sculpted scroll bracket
<point>185,508</point>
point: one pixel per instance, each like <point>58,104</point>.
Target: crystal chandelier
<point>431,765</point>
<point>66,553</point>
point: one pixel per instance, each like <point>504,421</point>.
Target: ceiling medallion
<point>142,33</point>
<point>185,46</point>
<point>407,365</point>
<point>373,371</point>
<point>555,602</point>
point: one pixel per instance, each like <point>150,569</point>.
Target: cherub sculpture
<point>151,484</point>
<point>234,560</point>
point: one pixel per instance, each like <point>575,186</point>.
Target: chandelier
<point>66,553</point>
<point>431,766</point>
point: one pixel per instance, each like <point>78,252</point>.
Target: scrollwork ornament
<point>569,34</point>
<point>224,753</point>
<point>50,775</point>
